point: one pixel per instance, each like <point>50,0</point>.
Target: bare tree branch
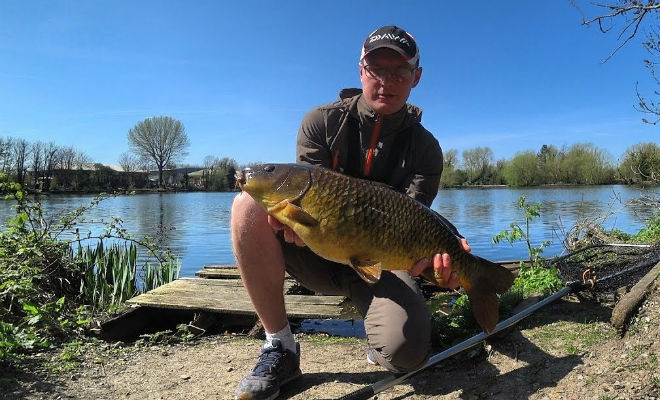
<point>631,8</point>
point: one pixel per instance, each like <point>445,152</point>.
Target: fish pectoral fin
<point>291,212</point>
<point>370,273</point>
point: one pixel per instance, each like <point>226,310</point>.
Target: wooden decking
<point>219,290</point>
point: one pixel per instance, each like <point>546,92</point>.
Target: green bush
<point>651,233</point>
<point>537,280</point>
<point>47,289</point>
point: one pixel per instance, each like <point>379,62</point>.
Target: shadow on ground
<point>529,368</point>
<point>27,378</point>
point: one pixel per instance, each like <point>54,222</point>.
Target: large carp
<point>370,227</point>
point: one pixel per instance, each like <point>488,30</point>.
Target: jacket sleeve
<point>312,146</point>
<point>425,179</point>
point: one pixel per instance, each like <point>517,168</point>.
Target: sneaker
<point>274,368</point>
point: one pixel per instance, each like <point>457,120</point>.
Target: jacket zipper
<point>372,144</point>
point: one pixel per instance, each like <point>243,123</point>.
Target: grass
<point>324,338</point>
<point>570,337</point>
<point>68,359</point>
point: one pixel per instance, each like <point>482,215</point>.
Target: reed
<point>112,274</point>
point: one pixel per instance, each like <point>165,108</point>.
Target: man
<point>372,134</point>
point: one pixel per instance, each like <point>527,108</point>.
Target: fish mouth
<point>240,179</point>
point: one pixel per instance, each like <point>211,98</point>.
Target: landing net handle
<point>370,391</point>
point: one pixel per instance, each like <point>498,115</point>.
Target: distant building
<point>175,176</point>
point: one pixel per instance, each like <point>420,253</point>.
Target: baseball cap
<point>393,38</point>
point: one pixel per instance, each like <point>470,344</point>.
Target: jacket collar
<point>358,108</point>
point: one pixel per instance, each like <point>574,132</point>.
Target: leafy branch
<point>518,233</point>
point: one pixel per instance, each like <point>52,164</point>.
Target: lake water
<point>196,225</point>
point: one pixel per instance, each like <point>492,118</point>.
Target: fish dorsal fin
<point>289,212</point>
<point>368,271</point>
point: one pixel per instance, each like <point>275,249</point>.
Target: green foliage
<point>586,164</point>
<point>517,233</point>
<point>533,278</point>
<point>44,287</point>
<point>181,335</point>
<point>221,177</point>
<point>523,170</point>
<point>452,177</point>
<point>550,159</point>
<point>651,233</point>
<point>640,163</point>
<point>109,273</point>
<point>537,280</point>
<point>477,162</point>
<point>450,328</point>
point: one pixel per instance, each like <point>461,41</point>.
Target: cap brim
<point>411,61</point>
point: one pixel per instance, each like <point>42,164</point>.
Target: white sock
<point>285,336</point>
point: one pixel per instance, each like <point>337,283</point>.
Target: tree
<point>209,163</point>
<point>635,13</point>
<point>82,160</point>
<point>51,157</point>
<point>450,158</point>
<point>6,155</point>
<point>161,140</point>
<point>21,152</point>
<point>129,164</point>
<point>586,164</point>
<point>523,169</point>
<point>550,159</point>
<point>640,162</point>
<point>37,163</point>
<point>222,175</point>
<point>451,176</point>
<point>476,162</point>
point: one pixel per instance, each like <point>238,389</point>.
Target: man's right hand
<point>289,235</point>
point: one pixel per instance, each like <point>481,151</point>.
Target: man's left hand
<point>441,267</point>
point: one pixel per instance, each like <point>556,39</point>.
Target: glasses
<point>399,74</point>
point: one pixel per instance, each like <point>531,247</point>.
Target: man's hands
<point>441,267</point>
<point>289,235</point>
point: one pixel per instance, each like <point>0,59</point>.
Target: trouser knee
<point>399,328</point>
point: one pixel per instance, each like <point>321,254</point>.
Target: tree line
<point>580,163</point>
<point>157,143</point>
<point>48,167</point>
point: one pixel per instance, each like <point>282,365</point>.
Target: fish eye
<point>269,168</point>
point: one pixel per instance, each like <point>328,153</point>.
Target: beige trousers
<point>396,318</point>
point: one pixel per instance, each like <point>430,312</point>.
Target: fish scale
<point>370,227</point>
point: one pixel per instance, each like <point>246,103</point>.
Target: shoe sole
<point>296,375</point>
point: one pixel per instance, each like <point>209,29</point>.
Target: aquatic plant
<point>48,291</point>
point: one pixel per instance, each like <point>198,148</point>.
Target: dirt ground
<point>567,350</point>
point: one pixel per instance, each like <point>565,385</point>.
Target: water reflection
<point>479,214</point>
<point>196,225</point>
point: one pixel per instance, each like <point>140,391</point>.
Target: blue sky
<point>510,75</point>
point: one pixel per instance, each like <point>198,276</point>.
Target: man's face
<point>387,80</point>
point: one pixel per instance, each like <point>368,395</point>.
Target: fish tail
<point>482,286</point>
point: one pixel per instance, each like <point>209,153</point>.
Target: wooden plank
<point>228,296</point>
<point>219,267</point>
<point>218,272</point>
<point>222,272</point>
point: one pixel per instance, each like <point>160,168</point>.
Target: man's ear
<point>418,76</point>
<point>362,74</point>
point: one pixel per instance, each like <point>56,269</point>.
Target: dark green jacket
<point>407,156</point>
